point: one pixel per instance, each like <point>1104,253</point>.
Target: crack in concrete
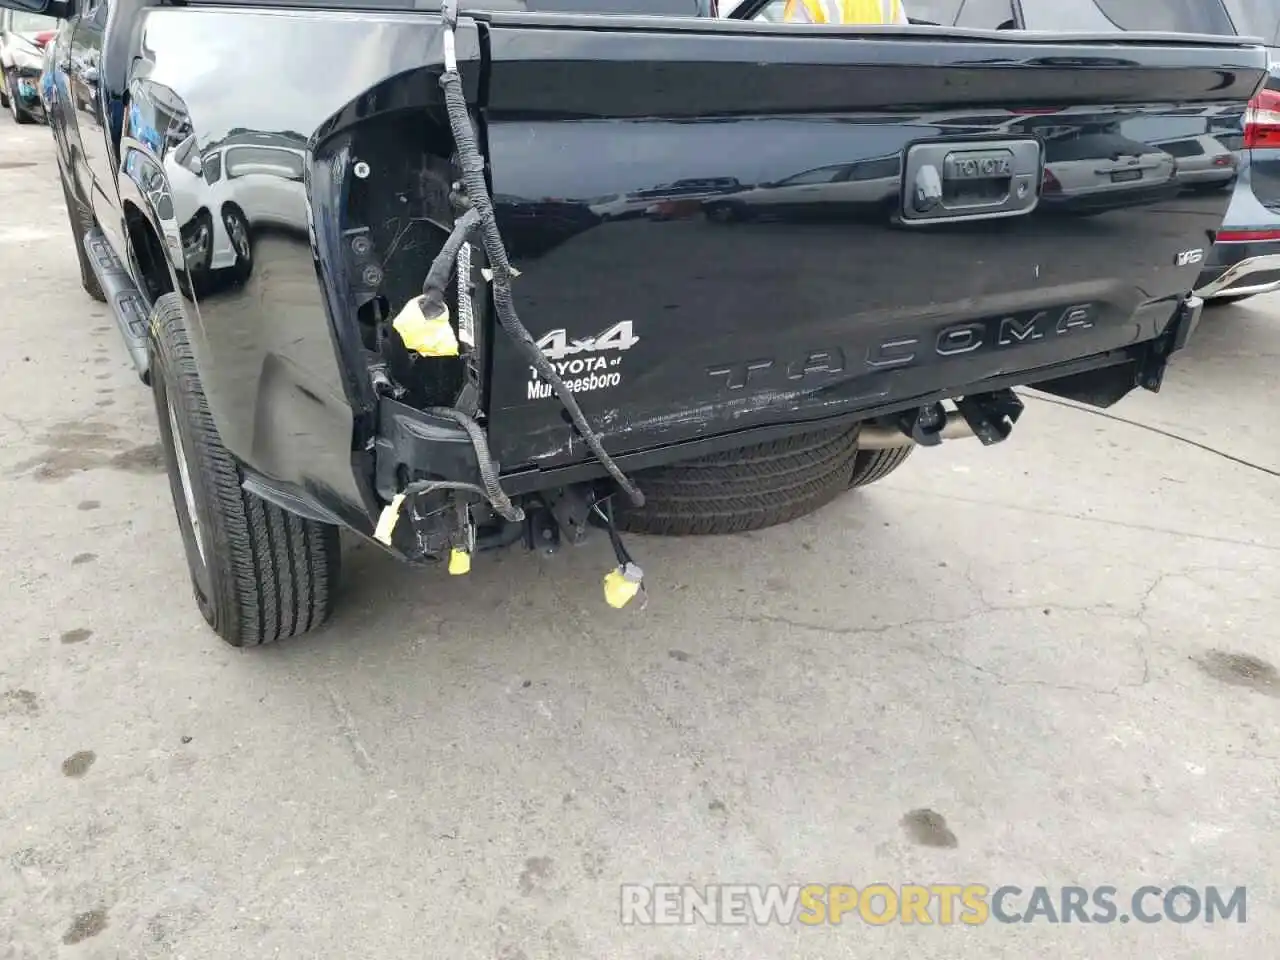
<point>924,645</point>
<point>23,430</point>
<point>350,732</point>
<point>1157,430</point>
<point>1138,615</point>
<point>1104,521</point>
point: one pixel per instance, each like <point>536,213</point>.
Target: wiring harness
<point>477,191</point>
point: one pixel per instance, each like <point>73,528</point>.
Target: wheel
<point>746,489</point>
<point>872,465</point>
<point>197,255</point>
<point>259,573</point>
<point>197,243</point>
<point>238,232</point>
<point>11,95</point>
<point>81,222</point>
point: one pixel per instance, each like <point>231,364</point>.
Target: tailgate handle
<point>971,180</point>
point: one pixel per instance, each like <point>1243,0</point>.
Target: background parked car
<point>1245,258</point>
<point>23,38</point>
<point>1205,162</point>
<point>1076,180</point>
<point>214,237</point>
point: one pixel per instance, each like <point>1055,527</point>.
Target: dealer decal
<point>586,364</point>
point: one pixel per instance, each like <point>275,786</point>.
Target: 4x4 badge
<point>556,345</point>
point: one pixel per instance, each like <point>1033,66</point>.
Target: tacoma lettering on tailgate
<point>993,333</point>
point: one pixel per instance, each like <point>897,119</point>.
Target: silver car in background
<point>23,38</point>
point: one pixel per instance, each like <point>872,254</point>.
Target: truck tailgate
<point>725,226</point>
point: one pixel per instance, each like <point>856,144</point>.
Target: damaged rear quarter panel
<point>248,113</point>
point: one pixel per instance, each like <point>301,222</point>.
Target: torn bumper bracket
<point>925,424</point>
<point>991,416</point>
<point>1175,337</point>
<point>413,445</point>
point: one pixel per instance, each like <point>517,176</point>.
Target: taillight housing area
<point>44,38</point>
<point>1245,236</point>
<point>1262,120</point>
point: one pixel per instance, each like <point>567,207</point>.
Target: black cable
<point>442,265</point>
<point>419,487</point>
<point>492,490</point>
<point>478,193</point>
<point>619,549</point>
<point>1160,431</point>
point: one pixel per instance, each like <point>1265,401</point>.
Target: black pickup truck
<point>458,279</point>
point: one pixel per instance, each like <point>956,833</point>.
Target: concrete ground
<point>1046,663</point>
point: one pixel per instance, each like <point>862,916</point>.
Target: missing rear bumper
<point>988,416</point>
<point>412,445</point>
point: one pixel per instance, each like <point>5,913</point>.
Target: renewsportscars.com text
<point>935,904</point>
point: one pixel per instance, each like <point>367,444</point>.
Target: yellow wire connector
<point>622,584</point>
<point>387,519</point>
<point>427,336</point>
<point>459,562</point>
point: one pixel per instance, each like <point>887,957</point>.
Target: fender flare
<point>142,181</point>
<point>143,187</point>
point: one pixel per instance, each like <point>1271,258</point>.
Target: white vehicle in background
<point>222,194</point>
<point>23,38</point>
<point>1204,163</point>
<point>197,184</point>
<point>1097,172</point>
<point>265,180</point>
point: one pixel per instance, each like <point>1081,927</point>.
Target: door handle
<point>971,180</point>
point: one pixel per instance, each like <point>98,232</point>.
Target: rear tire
<point>237,227</point>
<point>259,573</point>
<point>81,223</point>
<point>872,465</point>
<point>747,489</point>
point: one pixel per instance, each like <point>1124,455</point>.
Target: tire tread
<point>274,573</point>
<point>872,465</point>
<point>751,488</point>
